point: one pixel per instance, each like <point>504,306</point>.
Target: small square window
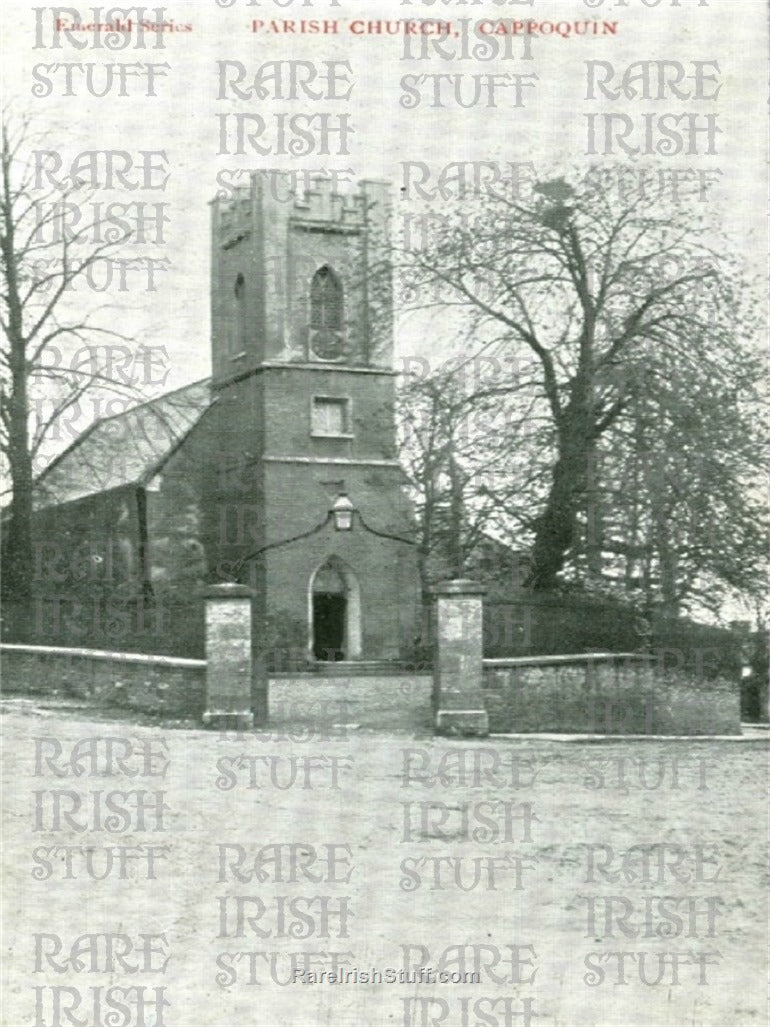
<point>330,416</point>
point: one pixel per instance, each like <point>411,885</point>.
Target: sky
<point>389,100</point>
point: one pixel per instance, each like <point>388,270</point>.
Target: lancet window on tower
<point>327,314</point>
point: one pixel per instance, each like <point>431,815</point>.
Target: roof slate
<point>123,450</point>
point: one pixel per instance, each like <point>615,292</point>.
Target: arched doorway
<point>334,612</point>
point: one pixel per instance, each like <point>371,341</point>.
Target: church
<point>279,472</point>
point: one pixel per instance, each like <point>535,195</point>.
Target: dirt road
<point>162,874</point>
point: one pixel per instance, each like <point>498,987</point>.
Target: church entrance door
<point>329,611</point>
<point>334,610</point>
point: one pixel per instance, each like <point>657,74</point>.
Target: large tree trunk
<point>556,527</point>
<point>18,556</point>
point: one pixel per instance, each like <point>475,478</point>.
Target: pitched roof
<point>122,450</point>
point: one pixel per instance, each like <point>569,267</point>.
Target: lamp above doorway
<point>342,512</point>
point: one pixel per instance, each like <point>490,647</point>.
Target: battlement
<point>309,200</point>
<point>322,203</point>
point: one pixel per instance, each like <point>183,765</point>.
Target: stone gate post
<point>458,704</point>
<point>228,657</point>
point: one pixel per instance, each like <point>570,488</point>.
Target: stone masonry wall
<point>605,694</point>
<point>594,694</point>
<point>153,684</point>
<point>156,684</point>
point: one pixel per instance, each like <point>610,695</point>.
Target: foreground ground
<point>586,884</point>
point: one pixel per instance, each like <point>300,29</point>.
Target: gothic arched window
<point>327,313</point>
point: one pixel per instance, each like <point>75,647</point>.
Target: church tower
<point>303,389</point>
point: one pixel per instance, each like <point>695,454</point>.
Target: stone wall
<point>160,684</point>
<point>618,693</point>
<point>153,684</point>
<point>385,702</point>
<point>592,694</point>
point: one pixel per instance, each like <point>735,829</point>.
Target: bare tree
<point>42,259</point>
<point>596,288</point>
<point>455,423</point>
